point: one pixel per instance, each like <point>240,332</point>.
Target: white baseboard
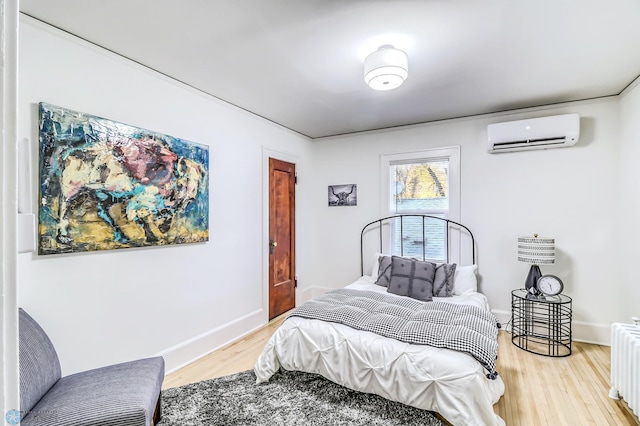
<point>598,334</point>
<point>195,348</point>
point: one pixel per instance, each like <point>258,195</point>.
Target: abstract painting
<point>343,195</point>
<point>106,185</point>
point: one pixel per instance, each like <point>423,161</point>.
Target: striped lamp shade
<point>536,250</point>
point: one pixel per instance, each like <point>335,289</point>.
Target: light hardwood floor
<point>539,390</point>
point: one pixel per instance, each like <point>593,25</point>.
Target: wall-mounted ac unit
<point>536,133</point>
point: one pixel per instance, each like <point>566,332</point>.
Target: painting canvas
<point>106,185</point>
<point>343,195</point>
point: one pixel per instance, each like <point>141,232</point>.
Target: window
<point>420,186</point>
<point>425,182</point>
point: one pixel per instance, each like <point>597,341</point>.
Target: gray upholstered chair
<point>124,394</point>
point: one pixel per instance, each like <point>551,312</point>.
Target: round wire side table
<point>541,324</point>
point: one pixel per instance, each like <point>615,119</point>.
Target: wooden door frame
<point>289,158</point>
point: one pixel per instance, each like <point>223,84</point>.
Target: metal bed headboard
<point>400,217</point>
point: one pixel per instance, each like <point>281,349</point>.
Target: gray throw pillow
<point>384,271</point>
<point>443,281</point>
<point>412,278</point>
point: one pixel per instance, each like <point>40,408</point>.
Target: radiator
<point>625,365</point>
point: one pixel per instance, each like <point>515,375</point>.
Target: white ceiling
<point>299,62</point>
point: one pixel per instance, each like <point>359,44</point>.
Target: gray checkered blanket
<point>463,328</point>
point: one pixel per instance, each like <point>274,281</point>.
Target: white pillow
<point>465,280</point>
<point>376,265</point>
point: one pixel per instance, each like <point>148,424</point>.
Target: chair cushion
<point>118,395</point>
<point>39,364</point>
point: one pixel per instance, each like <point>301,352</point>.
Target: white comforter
<point>448,382</point>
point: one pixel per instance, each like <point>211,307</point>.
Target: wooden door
<point>282,270</point>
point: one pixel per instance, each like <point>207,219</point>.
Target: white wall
<point>629,250</point>
<point>570,194</point>
<point>179,301</point>
<point>9,374</point>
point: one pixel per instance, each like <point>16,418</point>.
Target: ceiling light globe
<point>386,78</point>
<point>386,68</point>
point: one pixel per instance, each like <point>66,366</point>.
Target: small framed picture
<point>343,195</point>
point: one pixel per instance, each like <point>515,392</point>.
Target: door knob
<point>272,246</point>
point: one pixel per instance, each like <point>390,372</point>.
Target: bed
<point>341,335</point>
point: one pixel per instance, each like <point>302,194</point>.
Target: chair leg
<point>157,414</point>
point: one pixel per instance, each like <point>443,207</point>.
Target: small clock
<point>550,285</point>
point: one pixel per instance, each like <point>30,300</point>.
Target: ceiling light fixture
<point>386,68</point>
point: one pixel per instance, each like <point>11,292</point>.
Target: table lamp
<point>536,251</point>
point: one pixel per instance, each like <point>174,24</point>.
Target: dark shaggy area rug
<point>288,398</point>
